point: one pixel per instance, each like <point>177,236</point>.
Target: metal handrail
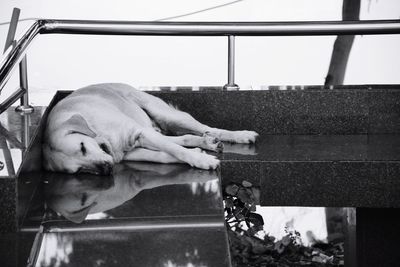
<point>221,28</point>
<point>230,29</point>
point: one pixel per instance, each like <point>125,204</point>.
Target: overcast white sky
<point>66,61</point>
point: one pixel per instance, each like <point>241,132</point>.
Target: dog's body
<point>103,124</point>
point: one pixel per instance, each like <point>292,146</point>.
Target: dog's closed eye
<point>83,149</point>
<point>105,148</point>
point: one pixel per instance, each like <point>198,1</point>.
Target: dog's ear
<point>80,216</point>
<point>78,124</point>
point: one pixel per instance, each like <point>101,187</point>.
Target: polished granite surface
<point>195,247</point>
<point>294,110</point>
<point>136,190</point>
<point>335,170</point>
<point>172,211</point>
<point>317,148</point>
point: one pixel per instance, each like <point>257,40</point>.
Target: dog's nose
<point>105,168</point>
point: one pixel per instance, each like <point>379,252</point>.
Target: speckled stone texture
<point>15,248</point>
<point>384,111</point>
<point>327,184</point>
<point>8,205</point>
<point>312,111</point>
<point>236,171</point>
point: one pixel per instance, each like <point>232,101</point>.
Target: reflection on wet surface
<point>163,214</point>
<point>16,130</point>
<point>317,148</point>
<point>135,190</point>
<point>178,247</point>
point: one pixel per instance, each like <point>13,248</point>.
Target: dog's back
<point>105,99</point>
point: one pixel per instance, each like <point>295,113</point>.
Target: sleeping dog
<point>103,124</point>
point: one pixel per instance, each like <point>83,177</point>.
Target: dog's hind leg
<point>178,122</point>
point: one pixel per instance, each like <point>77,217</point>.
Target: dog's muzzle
<point>100,169</point>
<point>105,168</point>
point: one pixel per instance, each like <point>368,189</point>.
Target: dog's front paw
<point>203,161</point>
<point>244,137</point>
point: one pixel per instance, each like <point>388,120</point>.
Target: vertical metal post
<point>231,65</point>
<point>24,107</point>
<point>23,70</point>
<point>26,131</point>
<point>12,28</point>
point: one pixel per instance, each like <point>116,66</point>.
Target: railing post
<point>25,134</point>
<point>23,70</point>
<point>24,107</point>
<point>231,65</point>
<point>12,29</point>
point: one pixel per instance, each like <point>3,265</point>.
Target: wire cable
<point>25,19</point>
<point>163,19</point>
<point>201,11</point>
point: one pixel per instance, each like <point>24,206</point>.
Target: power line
<point>7,22</point>
<point>163,19</point>
<point>200,11</point>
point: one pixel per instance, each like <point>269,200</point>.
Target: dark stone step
<point>328,171</point>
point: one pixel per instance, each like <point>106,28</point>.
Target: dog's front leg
<point>147,155</point>
<point>148,138</point>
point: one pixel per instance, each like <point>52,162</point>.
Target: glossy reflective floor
<point>145,215</point>
<point>318,148</point>
<point>171,210</point>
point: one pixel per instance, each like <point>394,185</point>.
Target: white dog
<point>100,125</point>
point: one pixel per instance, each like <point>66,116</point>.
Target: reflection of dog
<point>103,124</point>
<point>76,195</point>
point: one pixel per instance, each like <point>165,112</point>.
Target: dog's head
<point>76,195</point>
<point>73,147</point>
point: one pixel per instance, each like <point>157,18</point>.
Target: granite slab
<point>317,148</point>
<point>319,170</point>
<point>179,247</point>
<point>136,190</point>
<point>337,111</point>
